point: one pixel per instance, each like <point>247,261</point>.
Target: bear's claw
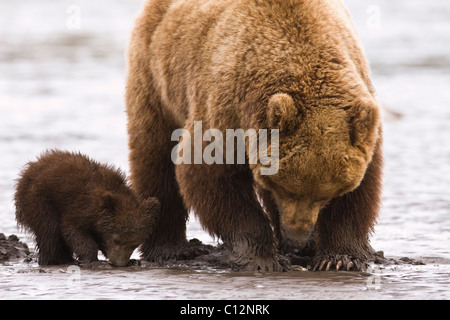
<point>342,263</point>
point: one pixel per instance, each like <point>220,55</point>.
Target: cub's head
<point>324,151</point>
<point>124,223</point>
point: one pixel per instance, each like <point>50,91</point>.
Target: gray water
<point>62,72</point>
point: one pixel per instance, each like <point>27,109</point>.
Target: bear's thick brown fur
<point>295,65</point>
<point>74,205</point>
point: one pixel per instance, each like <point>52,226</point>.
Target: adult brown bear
<point>293,65</point>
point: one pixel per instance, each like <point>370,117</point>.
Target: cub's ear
<point>108,201</point>
<point>281,113</point>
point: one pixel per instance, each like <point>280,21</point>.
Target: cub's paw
<point>338,262</point>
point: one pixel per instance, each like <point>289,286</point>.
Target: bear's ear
<point>364,121</point>
<point>281,113</point>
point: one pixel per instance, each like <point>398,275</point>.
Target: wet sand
<point>207,276</point>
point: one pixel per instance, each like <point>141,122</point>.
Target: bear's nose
<point>119,262</point>
<point>119,259</point>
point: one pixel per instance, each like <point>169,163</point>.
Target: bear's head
<point>324,151</point>
<point>124,224</point>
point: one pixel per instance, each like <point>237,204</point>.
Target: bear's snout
<point>119,257</point>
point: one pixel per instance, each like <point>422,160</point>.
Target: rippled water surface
<point>62,87</point>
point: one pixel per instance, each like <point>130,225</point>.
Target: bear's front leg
<point>82,244</point>
<point>342,230</point>
<point>224,199</point>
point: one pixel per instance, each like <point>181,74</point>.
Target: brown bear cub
<point>74,205</point>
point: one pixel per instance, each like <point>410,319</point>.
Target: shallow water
<point>63,87</point>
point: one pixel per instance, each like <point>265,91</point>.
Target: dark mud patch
<point>196,255</point>
<point>11,248</point>
<point>406,260</point>
<point>192,255</point>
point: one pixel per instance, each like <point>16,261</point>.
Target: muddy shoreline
<point>11,248</point>
<point>195,255</point>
